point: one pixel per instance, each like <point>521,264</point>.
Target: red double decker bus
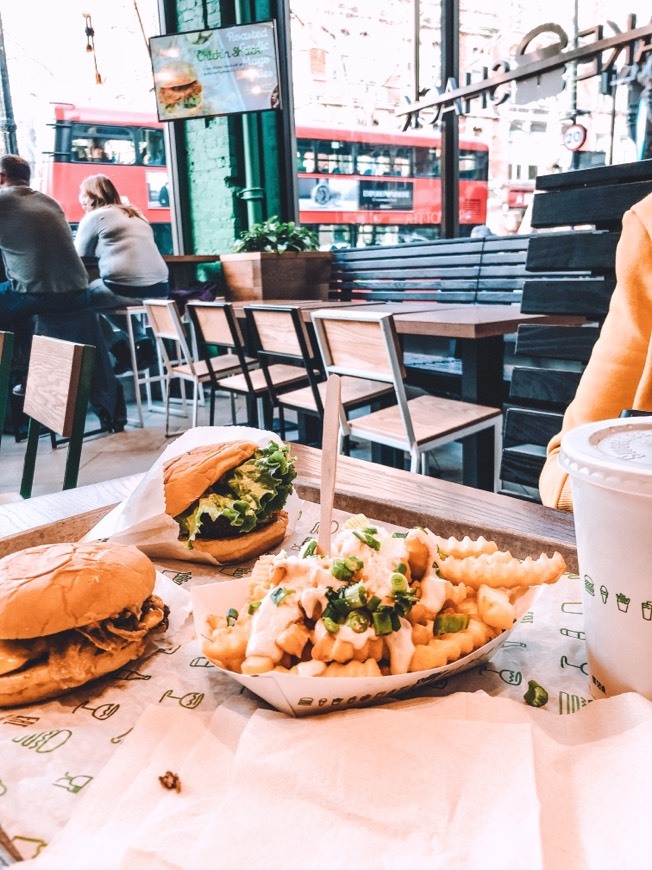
<point>127,146</point>
<point>366,187</point>
<point>355,187</point>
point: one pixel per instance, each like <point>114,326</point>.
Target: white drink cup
<point>610,466</point>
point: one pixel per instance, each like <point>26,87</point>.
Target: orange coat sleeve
<point>619,372</point>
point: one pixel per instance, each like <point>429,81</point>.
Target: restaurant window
<point>335,157</point>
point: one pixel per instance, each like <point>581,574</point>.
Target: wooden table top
<point>472,321</point>
<point>382,493</point>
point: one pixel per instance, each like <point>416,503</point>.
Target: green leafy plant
<point>276,236</point>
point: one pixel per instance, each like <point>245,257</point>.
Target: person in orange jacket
<point>619,373</point>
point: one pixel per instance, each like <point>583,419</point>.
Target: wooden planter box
<point>291,275</point>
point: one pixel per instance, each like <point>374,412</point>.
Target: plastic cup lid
<point>616,454</point>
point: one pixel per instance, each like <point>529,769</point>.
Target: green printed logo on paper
<point>45,741</point>
<point>622,602</point>
<point>512,678</point>
<point>604,594</point>
<point>646,610</point>
<point>589,585</point>
<point>72,783</point>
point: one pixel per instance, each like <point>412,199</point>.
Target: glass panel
<point>427,162</point>
<point>305,155</point>
<point>334,157</point>
<point>372,159</point>
<point>103,144</point>
<point>152,147</point>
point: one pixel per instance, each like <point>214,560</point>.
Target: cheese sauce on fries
<point>380,603</point>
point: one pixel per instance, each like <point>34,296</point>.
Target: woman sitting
<point>130,265</point>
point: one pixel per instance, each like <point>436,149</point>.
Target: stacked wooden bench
<point>571,273</point>
<point>459,270</point>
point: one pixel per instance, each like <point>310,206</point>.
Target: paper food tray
<point>303,696</point>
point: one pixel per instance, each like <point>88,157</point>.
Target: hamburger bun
<point>70,613</point>
<point>186,480</point>
<point>244,547</point>
<point>56,587</point>
<point>187,477</point>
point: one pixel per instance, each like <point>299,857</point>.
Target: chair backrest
<point>166,324</point>
<point>216,325</point>
<point>6,351</point>
<point>57,389</point>
<point>363,344</point>
<point>279,335</point>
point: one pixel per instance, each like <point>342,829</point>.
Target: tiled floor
<point>134,450</point>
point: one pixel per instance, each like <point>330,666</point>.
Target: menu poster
<point>221,71</point>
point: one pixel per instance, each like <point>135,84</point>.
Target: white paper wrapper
<point>303,696</point>
<point>141,519</point>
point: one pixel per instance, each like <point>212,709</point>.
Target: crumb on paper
<point>170,781</point>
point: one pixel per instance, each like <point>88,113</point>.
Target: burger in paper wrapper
<point>70,613</point>
<point>228,498</point>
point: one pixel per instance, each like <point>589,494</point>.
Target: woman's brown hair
<point>100,190</point>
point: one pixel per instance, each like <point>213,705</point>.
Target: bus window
<point>335,157</point>
<point>427,162</point>
<point>305,155</point>
<point>103,144</point>
<point>473,165</point>
<point>372,161</point>
<point>151,147</point>
<point>402,162</point>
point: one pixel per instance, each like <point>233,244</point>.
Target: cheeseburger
<point>178,88</point>
<point>228,498</point>
<point>70,613</point>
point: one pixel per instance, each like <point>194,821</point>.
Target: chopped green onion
<point>373,603</point>
<point>231,616</point>
<point>399,583</point>
<point>279,594</point>
<point>309,550</point>
<point>448,623</point>
<point>536,695</point>
<point>337,610</point>
<point>253,607</point>
<point>396,622</point>
<point>382,623</point>
<point>344,569</point>
<point>358,621</point>
<point>355,596</point>
<point>330,626</point>
<point>399,534</point>
<point>367,538</point>
<point>401,568</point>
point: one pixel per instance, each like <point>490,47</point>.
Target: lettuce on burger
<point>228,498</point>
<point>70,613</point>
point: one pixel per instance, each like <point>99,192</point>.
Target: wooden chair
<point>253,383</point>
<point>182,364</point>
<point>57,390</point>
<point>364,344</point>
<point>6,351</point>
<point>281,336</point>
<point>216,327</point>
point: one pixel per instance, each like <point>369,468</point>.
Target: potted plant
<point>276,259</point>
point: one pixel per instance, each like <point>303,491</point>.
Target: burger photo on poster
<point>178,90</point>
<point>228,498</point>
<point>70,613</point>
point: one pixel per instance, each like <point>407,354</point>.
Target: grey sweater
<point>36,244</point>
<point>125,247</point>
